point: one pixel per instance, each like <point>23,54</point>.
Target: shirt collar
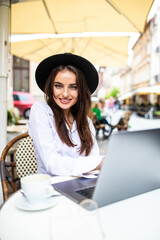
<point>74,127</point>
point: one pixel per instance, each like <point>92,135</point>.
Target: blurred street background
<point>136,123</point>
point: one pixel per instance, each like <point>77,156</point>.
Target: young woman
<point>63,135</point>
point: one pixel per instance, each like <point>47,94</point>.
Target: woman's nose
<point>65,92</point>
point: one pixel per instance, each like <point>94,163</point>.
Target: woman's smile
<point>65,100</point>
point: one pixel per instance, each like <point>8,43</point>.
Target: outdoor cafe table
<point>136,218</point>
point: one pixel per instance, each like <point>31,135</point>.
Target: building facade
<point>140,85</point>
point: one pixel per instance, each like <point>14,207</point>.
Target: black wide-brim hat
<point>47,65</point>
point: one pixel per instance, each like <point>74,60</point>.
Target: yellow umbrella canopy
<point>70,16</point>
<point>101,51</point>
<point>78,16</point>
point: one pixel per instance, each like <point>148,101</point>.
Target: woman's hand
<point>97,168</point>
<point>100,165</point>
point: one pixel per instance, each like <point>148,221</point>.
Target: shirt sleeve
<point>49,152</point>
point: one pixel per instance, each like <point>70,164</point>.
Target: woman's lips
<point>65,101</point>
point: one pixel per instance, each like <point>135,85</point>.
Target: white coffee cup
<point>36,188</point>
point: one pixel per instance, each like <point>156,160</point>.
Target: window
<point>15,97</point>
<point>20,74</point>
<point>20,97</point>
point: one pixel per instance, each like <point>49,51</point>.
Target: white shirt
<point>53,156</point>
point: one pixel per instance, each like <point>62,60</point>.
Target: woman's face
<point>65,91</point>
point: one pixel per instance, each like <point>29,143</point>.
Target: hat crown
<point>47,65</point>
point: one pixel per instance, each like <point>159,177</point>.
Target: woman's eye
<point>58,86</point>
<point>74,87</point>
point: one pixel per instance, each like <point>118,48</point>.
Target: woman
<point>96,109</point>
<point>63,135</point>
<point>100,120</point>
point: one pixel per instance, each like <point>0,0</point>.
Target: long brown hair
<point>79,110</point>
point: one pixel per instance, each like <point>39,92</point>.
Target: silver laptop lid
<point>131,166</point>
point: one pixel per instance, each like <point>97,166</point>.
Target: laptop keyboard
<point>86,192</point>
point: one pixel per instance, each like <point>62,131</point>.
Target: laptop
<point>131,167</point>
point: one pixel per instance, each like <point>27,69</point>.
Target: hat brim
<point>47,65</point>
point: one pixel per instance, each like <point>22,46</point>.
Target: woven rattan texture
<point>25,158</point>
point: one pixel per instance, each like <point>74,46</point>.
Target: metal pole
<point>4,52</point>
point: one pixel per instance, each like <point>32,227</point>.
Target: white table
<point>17,128</point>
<point>137,218</point>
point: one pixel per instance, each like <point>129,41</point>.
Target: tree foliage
<point>113,93</point>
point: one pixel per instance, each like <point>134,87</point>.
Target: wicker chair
<point>23,163</point>
<point>123,122</point>
<point>121,125</point>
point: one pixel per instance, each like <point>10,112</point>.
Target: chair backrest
<point>123,122</point>
<point>25,158</point>
<point>23,163</point>
<point>127,116</point>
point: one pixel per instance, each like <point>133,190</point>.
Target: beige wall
<point>125,81</point>
<point>145,67</point>
<point>34,89</point>
<point>141,60</point>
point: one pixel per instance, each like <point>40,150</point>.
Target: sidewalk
<point>136,122</point>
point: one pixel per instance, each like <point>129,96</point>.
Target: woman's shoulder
<point>43,106</point>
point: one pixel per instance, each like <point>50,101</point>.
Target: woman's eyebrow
<point>58,83</point>
<point>71,84</point>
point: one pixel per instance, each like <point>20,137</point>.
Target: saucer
<point>22,204</point>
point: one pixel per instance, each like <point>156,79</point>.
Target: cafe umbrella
<point>98,50</point>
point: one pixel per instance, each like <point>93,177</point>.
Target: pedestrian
<point>117,104</point>
<point>63,136</point>
<point>111,104</point>
<point>102,105</point>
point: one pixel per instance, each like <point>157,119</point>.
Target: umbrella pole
<point>4,50</point>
